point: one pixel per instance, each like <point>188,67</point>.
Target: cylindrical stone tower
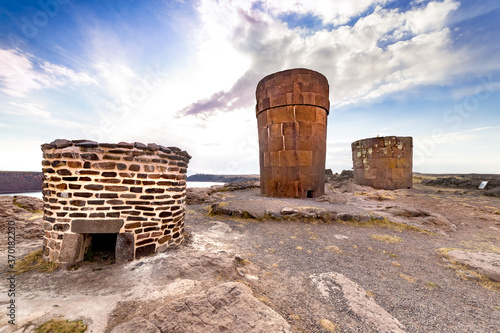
<point>383,163</point>
<point>128,197</point>
<point>292,109</point>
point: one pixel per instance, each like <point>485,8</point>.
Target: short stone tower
<point>128,198</point>
<point>383,163</point>
<point>292,109</point>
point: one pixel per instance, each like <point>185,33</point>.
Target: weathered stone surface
<point>96,226</point>
<point>485,263</point>
<point>229,307</point>
<point>27,227</point>
<point>136,325</point>
<point>196,196</point>
<point>440,222</point>
<point>140,145</point>
<point>86,144</point>
<point>29,203</point>
<point>494,192</point>
<point>289,211</point>
<point>145,250</point>
<point>71,248</point>
<point>383,162</point>
<point>364,306</point>
<point>124,246</point>
<point>61,143</point>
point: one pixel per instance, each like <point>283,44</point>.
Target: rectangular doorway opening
<point>310,194</point>
<point>102,247</point>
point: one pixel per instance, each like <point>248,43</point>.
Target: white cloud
<point>337,12</point>
<point>28,109</point>
<point>385,52</point>
<point>21,73</point>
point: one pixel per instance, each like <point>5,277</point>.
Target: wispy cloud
<point>27,109</point>
<point>21,73</point>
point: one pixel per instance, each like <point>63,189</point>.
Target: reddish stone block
<point>288,158</point>
<point>305,113</point>
<point>280,115</point>
<point>305,128</point>
<point>276,143</point>
<point>273,130</point>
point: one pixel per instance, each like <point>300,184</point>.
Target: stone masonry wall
<point>383,163</point>
<point>292,109</point>
<point>134,190</point>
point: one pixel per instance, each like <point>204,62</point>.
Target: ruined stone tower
<point>292,109</point>
<point>128,198</point>
<point>383,163</point>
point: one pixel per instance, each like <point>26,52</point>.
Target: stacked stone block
<point>383,163</point>
<point>134,190</point>
<point>292,109</point>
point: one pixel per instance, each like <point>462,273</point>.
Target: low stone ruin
<point>383,162</point>
<point>127,196</point>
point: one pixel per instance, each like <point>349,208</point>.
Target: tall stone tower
<point>292,109</point>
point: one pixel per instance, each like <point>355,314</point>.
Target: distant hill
<point>201,177</point>
<point>19,181</point>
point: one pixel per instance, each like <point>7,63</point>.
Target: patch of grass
<point>333,248</point>
<point>387,238</point>
<point>34,261</point>
<point>264,299</point>
<point>431,285</point>
<point>89,254</point>
<point>62,326</point>
<point>328,325</point>
<point>242,261</point>
<point>407,278</point>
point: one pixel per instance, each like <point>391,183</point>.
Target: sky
<point>184,73</point>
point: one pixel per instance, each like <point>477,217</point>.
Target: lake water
<point>189,184</point>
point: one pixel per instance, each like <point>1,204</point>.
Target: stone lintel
<point>96,226</point>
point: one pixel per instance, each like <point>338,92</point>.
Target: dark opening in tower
<point>102,247</point>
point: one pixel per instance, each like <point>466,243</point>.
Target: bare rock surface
<point>23,212</point>
<point>485,263</point>
<point>494,192</point>
<point>359,302</point>
<point>136,325</point>
<point>229,307</point>
<point>198,195</point>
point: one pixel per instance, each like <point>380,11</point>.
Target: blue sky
<point>183,73</point>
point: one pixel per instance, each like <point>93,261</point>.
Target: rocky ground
<point>354,260</point>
